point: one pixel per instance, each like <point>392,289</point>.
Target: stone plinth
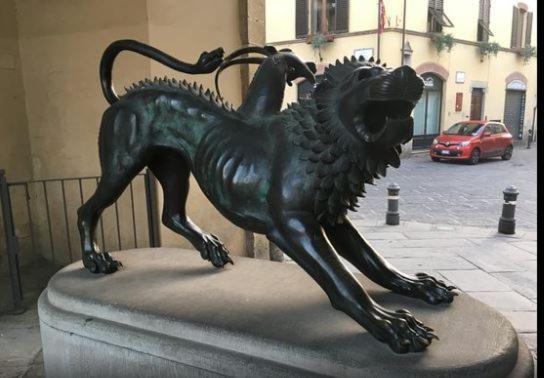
<point>168,313</point>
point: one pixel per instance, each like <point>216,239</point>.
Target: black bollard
<point>392,216</point>
<point>507,222</point>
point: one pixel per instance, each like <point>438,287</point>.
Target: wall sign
<point>460,77</point>
<point>458,101</point>
<point>367,53</point>
<point>428,82</point>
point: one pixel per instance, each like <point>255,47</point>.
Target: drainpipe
<point>403,34</point>
<point>378,34</point>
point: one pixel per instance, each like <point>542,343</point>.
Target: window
<point>463,128</point>
<point>325,16</point>
<point>483,21</point>
<point>494,128</point>
<point>436,18</point>
<point>522,24</point>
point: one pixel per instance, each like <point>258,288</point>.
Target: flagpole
<point>378,34</point>
<point>403,33</point>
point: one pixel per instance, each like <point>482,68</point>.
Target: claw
<point>433,336</point>
<point>424,341</point>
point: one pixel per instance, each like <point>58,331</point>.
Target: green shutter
<point>515,22</point>
<point>301,15</point>
<point>529,28</point>
<point>342,16</point>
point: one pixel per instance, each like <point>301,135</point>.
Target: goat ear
<point>312,67</point>
<point>286,50</point>
<point>270,50</point>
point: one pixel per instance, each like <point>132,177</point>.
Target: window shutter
<point>437,4</point>
<point>486,12</point>
<point>301,15</point>
<point>529,28</point>
<point>342,16</point>
<point>515,22</point>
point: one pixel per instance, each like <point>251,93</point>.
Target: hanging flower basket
<point>527,52</point>
<point>319,40</point>
<point>488,48</point>
<point>442,41</point>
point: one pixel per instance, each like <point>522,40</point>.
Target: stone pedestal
<point>168,313</point>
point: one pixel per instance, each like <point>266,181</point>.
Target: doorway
<point>427,113</point>
<point>514,112</point>
<point>476,104</point>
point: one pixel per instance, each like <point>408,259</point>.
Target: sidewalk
<point>497,269</point>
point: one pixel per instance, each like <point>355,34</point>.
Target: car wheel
<point>507,153</point>
<point>435,158</point>
<point>474,156</point>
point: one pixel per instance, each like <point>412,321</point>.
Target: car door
<point>496,132</point>
<point>487,141</point>
<point>504,138</point>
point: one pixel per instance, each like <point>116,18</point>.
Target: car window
<point>493,128</point>
<point>463,128</point>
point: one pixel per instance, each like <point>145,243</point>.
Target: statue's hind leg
<point>121,159</point>
<point>113,182</point>
<point>302,238</point>
<point>354,248</point>
<point>173,174</point>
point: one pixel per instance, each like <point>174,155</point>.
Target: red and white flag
<point>381,14</point>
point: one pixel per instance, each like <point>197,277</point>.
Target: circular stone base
<point>169,313</point>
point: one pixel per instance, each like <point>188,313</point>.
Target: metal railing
<point>54,234</point>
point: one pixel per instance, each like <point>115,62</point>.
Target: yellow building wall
<point>61,45</point>
<point>278,26</point>
<point>14,145</point>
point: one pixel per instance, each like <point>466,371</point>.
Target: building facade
<point>474,55</point>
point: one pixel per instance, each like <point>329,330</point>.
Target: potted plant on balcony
<point>318,40</point>
<point>442,41</point>
<point>527,52</point>
<point>488,48</point>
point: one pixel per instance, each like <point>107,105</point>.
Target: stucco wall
<point>14,144</point>
<point>61,45</point>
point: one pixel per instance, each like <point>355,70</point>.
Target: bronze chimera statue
<point>291,175</point>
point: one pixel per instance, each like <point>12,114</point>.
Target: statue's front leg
<point>354,248</point>
<point>301,237</point>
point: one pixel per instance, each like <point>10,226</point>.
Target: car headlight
<point>435,141</point>
<point>465,143</point>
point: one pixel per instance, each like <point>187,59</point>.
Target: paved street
<point>457,193</point>
<point>497,269</point>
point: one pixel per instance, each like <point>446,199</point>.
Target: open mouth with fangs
<point>371,119</point>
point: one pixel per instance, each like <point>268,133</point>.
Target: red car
<point>471,141</point>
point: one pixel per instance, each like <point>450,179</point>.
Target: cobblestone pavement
<point>457,193</point>
<point>496,269</point>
